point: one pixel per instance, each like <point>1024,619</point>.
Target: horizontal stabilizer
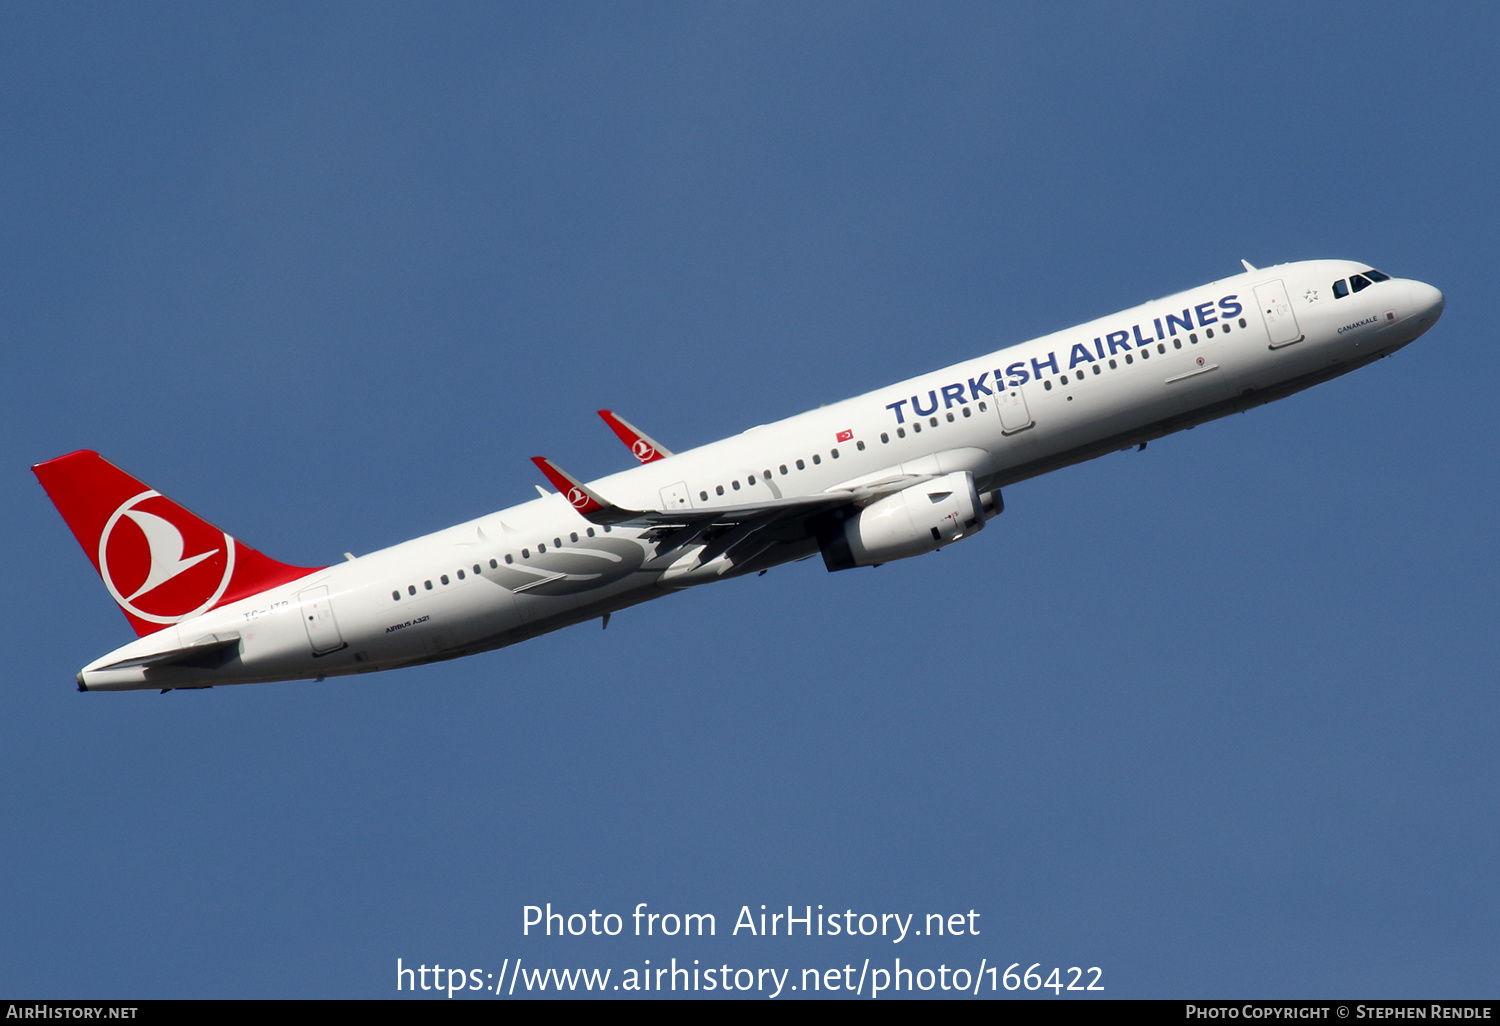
<point>204,654</point>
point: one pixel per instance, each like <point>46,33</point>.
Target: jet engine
<point>919,519</point>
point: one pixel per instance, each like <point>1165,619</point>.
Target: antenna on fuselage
<point>1248,265</point>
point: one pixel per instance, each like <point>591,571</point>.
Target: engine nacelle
<point>915,520</point>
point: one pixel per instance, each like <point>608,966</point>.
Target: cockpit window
<point>1340,289</point>
<point>1359,282</point>
<point>1377,276</point>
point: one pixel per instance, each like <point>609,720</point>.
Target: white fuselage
<point>1066,397</point>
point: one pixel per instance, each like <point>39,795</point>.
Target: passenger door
<point>1276,311</point>
<point>317,616</point>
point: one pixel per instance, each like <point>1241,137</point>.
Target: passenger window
<point>573,536</point>
<point>901,432</point>
<point>427,585</point>
<point>460,576</point>
<point>801,465</point>
<point>477,570</point>
<point>1145,353</point>
<point>1160,348</point>
<point>860,445</point>
<point>950,416</point>
<point>1096,369</point>
<point>396,596</point>
<point>411,589</point>
<point>1358,282</point>
<point>817,458</point>
<point>1177,343</point>
<point>1080,375</point>
<point>751,479</point>
<point>982,407</point>
<point>885,439</point>
<point>495,566</point>
<point>703,496</point>
<point>525,553</point>
<point>834,453</point>
<point>541,547</point>
<point>1129,358</point>
<point>1374,275</point>
<point>932,421</point>
<point>1242,322</point>
<point>1193,338</point>
<point>766,475</point>
<point>1047,384</point>
<point>508,558</point>
<point>590,531</point>
<point>968,412</point>
<point>444,578</point>
<point>557,543</point>
<point>718,489</point>
<point>735,485</point>
<point>782,468</point>
<point>1113,365</point>
<point>916,426</point>
<point>1209,332</point>
<point>1340,289</point>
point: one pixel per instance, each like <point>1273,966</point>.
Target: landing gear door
<point>317,616</point>
<point>1014,416</point>
<point>1276,310</point>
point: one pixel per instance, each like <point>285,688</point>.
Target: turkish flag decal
<point>845,436</point>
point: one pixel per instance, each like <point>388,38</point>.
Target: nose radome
<point>1426,301</point>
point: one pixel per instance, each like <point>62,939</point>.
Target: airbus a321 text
<point>896,472</point>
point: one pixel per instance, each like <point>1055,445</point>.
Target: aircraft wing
<point>599,510</point>
<point>741,532</point>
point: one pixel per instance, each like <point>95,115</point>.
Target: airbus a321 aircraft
<point>893,473</point>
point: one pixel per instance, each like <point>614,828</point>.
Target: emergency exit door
<point>1014,416</point>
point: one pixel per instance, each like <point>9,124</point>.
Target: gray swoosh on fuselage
<point>594,564</point>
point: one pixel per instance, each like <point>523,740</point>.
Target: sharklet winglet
<point>588,503</point>
<point>641,445</point>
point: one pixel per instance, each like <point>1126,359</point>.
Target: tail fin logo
<point>643,450</point>
<point>142,563</point>
<point>577,497</point>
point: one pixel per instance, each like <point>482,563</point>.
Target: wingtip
<point>572,489</point>
<point>642,446</point>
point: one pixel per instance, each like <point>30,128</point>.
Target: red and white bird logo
<point>142,561</point>
<point>577,497</point>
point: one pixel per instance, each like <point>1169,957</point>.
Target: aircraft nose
<point>1426,301</point>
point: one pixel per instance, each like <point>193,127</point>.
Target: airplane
<point>891,474</point>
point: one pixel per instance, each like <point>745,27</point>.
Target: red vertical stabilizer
<point>161,564</point>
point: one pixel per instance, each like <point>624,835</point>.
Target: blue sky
<point>1219,717</point>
